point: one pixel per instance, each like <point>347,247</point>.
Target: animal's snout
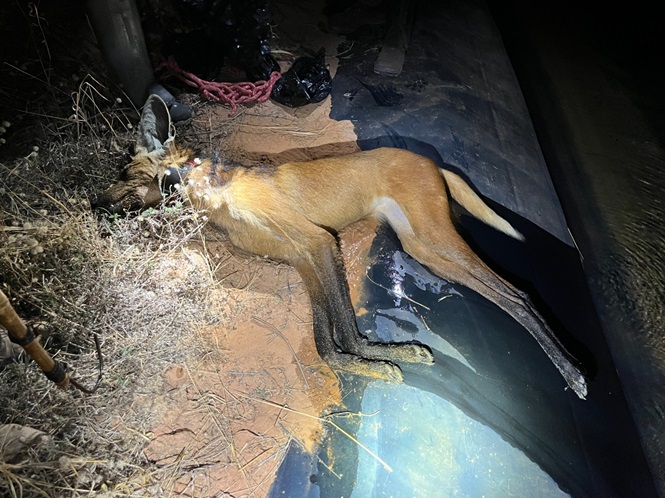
<point>135,194</point>
<point>94,203</point>
<point>103,204</point>
<point>122,198</point>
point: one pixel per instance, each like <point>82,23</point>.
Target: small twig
<point>227,437</point>
<point>329,468</point>
<point>279,333</point>
<point>401,295</point>
<point>34,12</point>
<point>422,319</point>
<point>86,89</point>
<point>320,419</point>
<point>341,54</point>
<point>100,359</point>
<point>45,82</point>
<point>577,248</point>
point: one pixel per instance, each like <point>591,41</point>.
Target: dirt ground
<point>217,417</point>
<point>230,417</point>
<point>227,417</point>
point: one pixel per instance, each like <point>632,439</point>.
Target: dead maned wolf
<point>292,212</point>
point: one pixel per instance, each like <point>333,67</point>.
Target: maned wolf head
<point>140,185</point>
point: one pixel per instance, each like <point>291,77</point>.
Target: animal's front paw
<point>415,353</point>
<point>386,371</point>
<point>405,353</point>
<point>397,352</point>
<point>383,370</point>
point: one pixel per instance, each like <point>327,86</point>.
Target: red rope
<point>230,94</point>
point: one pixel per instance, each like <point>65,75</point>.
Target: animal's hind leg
<point>452,259</point>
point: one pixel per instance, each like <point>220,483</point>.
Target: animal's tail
<point>463,194</point>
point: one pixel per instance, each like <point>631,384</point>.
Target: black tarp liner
<point>492,416</point>
<point>594,84</point>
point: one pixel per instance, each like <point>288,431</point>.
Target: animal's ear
<point>155,129</point>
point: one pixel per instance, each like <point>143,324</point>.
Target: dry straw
<point>71,273</point>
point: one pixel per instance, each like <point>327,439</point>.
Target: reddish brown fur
<point>292,212</point>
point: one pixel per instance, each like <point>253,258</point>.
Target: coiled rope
<point>231,94</point>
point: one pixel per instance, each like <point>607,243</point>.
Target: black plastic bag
<point>238,30</point>
<point>307,82</point>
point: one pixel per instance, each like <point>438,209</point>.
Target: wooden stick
<point>19,334</point>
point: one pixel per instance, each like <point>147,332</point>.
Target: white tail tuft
<point>465,195</point>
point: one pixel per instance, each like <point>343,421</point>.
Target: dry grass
<point>78,274</point>
<point>133,281</point>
